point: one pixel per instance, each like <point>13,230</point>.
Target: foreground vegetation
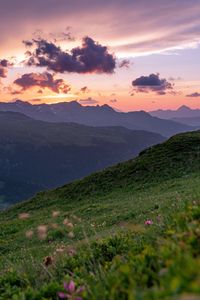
<point>129,232</point>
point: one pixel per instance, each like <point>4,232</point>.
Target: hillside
<point>95,116</point>
<point>92,231</point>
<point>37,155</point>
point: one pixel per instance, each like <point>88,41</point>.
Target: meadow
<point>128,232</point>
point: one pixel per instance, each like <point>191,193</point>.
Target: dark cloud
<point>42,80</point>
<point>152,83</point>
<point>28,43</point>
<point>63,36</point>
<point>91,57</point>
<point>88,101</point>
<point>194,95</point>
<point>4,65</point>
<point>84,90</point>
<point>54,36</point>
<point>125,63</point>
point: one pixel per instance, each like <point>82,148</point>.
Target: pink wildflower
<point>72,292</point>
<point>148,222</point>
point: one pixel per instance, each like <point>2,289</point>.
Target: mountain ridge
<point>97,116</point>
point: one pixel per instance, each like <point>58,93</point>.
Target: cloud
<point>88,101</point>
<point>4,65</point>
<point>62,36</point>
<point>151,83</point>
<point>113,100</point>
<point>194,95</point>
<point>84,90</point>
<point>53,36</point>
<point>42,80</point>
<point>91,57</point>
<point>125,63</point>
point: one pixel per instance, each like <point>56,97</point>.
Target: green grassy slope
<point>108,249</point>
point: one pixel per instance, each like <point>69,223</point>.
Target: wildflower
<point>60,250</point>
<point>66,221</point>
<point>29,234</point>
<point>42,232</point>
<point>71,234</point>
<point>70,225</point>
<point>148,222</point>
<point>23,216</point>
<point>55,214</point>
<point>72,292</point>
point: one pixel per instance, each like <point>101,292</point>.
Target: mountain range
<point>96,116</point>
<point>36,155</point>
<point>182,112</point>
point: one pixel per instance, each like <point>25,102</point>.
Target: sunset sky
<point>130,54</point>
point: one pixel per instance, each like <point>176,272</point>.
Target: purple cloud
<point>42,80</point>
<point>151,83</point>
<point>4,65</point>
<point>194,95</point>
<point>91,57</point>
<point>84,90</point>
<point>125,63</point>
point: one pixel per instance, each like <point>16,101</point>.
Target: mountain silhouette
<point>96,116</point>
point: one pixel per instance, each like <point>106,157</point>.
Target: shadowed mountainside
<point>36,155</point>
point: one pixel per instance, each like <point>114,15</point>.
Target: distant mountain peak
<point>107,107</point>
<point>184,108</point>
<point>73,103</point>
<point>20,102</point>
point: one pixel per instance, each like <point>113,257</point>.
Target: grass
<point>112,253</point>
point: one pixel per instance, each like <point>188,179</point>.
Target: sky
<point>132,55</point>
